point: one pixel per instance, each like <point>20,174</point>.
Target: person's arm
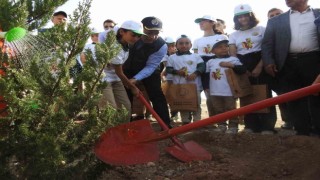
<point>232,44</point>
<point>201,67</point>
<point>118,70</point>
<point>195,46</point>
<point>267,48</point>
<point>83,54</point>
<point>257,70</point>
<point>233,50</point>
<point>235,64</point>
<point>116,63</point>
<point>151,64</point>
<point>83,58</point>
<point>205,77</point>
<point>164,61</point>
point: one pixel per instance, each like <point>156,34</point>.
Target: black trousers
<point>275,86</point>
<point>152,85</point>
<point>299,71</point>
<point>258,122</point>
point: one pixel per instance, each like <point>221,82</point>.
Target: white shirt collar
<point>305,11</point>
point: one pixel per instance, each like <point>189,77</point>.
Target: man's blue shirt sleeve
<point>152,63</point>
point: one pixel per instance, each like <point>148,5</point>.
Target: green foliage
<point>13,14</point>
<point>42,137</point>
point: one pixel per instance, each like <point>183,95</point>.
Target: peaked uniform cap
<point>152,23</point>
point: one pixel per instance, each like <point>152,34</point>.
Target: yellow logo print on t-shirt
<point>207,49</point>
<point>248,44</point>
<point>217,75</point>
<point>189,62</point>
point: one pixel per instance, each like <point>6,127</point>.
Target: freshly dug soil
<point>241,156</point>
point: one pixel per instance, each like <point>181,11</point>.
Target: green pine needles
<point>52,126</point>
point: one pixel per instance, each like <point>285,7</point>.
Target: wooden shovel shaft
<point>293,95</point>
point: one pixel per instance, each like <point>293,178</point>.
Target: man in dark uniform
<point>143,65</point>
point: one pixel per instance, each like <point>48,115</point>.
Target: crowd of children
<point>202,62</point>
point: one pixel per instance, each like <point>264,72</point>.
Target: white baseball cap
<point>94,31</point>
<point>169,40</point>
<point>205,17</point>
<point>242,9</point>
<point>133,26</point>
<point>219,41</point>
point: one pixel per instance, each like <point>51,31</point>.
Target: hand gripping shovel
<point>186,152</point>
<point>133,143</point>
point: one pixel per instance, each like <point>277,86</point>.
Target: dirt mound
<point>241,156</point>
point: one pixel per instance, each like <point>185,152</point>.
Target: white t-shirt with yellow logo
<point>219,85</point>
<point>188,61</point>
<point>247,41</point>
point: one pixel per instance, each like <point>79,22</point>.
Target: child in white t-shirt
<point>203,47</point>
<point>114,94</point>
<point>171,50</point>
<point>186,67</point>
<point>219,88</point>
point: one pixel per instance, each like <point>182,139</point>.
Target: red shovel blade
<point>185,152</point>
<point>116,145</point>
<point>191,151</point>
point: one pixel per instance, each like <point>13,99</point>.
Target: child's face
<point>94,37</point>
<point>171,48</point>
<point>206,24</point>
<point>129,36</point>
<point>221,50</point>
<point>220,26</point>
<point>58,19</point>
<point>274,13</point>
<point>184,45</point>
<point>244,19</point>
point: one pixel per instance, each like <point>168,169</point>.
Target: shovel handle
<point>153,112</point>
<point>293,95</point>
<point>174,139</point>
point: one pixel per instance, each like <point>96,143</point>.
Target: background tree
<point>42,137</point>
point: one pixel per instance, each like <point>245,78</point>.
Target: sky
<point>177,15</point>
